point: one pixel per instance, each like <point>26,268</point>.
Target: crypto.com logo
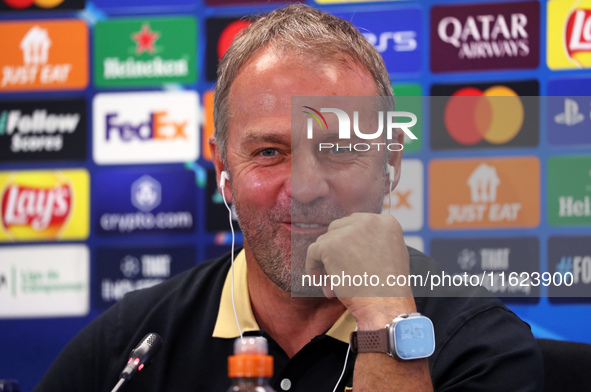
<point>345,128</point>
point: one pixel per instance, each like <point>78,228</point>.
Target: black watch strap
<point>370,341</point>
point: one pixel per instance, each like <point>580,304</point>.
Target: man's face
<point>285,192</point>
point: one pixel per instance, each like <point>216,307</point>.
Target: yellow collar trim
<point>225,326</point>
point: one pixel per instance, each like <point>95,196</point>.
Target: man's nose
<point>308,178</point>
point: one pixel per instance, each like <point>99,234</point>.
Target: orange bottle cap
<point>250,366</point>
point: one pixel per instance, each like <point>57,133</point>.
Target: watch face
<point>414,338</point>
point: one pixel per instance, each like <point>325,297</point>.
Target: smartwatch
<point>408,336</point>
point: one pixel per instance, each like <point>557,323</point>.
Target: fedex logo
<point>158,126</point>
<point>147,127</point>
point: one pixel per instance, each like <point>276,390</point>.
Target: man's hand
<point>370,249</point>
<point>366,245</point>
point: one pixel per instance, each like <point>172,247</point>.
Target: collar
<point>225,325</point>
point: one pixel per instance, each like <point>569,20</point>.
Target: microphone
<point>140,357</point>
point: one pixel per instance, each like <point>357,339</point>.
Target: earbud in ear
<point>391,172</point>
<point>223,178</point>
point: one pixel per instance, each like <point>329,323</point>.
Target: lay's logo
<point>39,206</point>
<point>569,34</point>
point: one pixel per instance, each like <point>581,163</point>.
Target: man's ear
<point>395,160</point>
<point>218,163</point>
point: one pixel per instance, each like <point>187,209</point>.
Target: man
<point>301,210</point>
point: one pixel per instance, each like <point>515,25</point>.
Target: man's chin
<point>299,290</point>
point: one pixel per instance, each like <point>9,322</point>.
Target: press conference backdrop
<point>107,185</point>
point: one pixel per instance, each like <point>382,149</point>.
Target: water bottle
<point>250,368</point>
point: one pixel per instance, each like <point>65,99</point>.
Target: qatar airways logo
<point>389,118</point>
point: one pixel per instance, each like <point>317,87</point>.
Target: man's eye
<point>268,152</point>
<point>340,149</point>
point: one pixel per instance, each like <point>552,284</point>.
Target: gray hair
<point>302,30</point>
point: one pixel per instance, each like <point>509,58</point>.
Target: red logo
<point>495,115</point>
<point>578,32</point>
<point>227,36</point>
<point>19,4</point>
<point>42,209</point>
<point>145,40</point>
<point>22,4</point>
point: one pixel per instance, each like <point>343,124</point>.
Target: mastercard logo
<point>495,115</point>
<point>22,4</point>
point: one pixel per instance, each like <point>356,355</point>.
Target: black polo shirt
<point>480,344</point>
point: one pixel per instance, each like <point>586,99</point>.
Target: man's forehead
<point>273,75</point>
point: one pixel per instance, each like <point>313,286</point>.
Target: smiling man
<point>305,211</point>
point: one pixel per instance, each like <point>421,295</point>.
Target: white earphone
<point>223,178</point>
<point>391,175</point>
<point>391,172</point>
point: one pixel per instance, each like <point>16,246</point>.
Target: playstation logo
<point>571,115</point>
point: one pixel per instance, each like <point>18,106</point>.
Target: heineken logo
<point>145,39</point>
<point>569,191</point>
<point>147,52</point>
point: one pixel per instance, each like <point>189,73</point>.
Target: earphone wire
<point>390,198</point>
<point>344,367</point>
<point>232,263</point>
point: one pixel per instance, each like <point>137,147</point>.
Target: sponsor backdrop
<point>107,185</point>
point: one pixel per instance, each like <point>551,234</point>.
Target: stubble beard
<point>280,254</point>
